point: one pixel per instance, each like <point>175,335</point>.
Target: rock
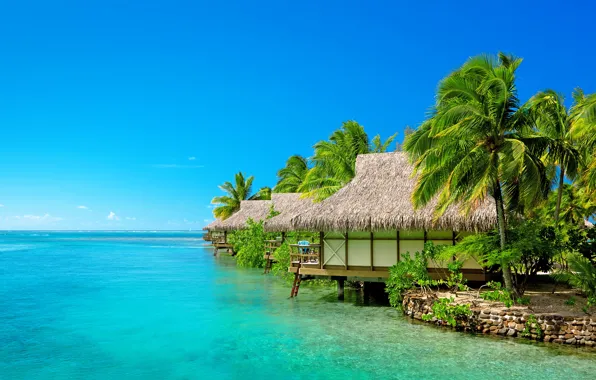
<point>502,331</point>
<point>511,332</point>
<point>570,341</point>
<point>520,327</point>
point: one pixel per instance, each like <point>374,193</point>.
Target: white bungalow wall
<point>334,252</point>
<point>384,247</point>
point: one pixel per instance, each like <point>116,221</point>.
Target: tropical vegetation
<point>534,161</point>
<point>240,190</point>
<point>481,144</point>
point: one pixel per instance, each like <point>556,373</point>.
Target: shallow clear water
<point>160,306</point>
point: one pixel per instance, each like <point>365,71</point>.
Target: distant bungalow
<point>286,206</point>
<point>257,210</point>
<point>370,224</point>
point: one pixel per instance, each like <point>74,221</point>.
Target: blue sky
<point>138,111</point>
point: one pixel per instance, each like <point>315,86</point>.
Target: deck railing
<point>305,254</point>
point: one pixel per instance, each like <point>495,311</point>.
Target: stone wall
<point>489,318</point>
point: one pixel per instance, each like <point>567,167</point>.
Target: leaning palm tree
<point>335,160</point>
<point>292,175</point>
<point>478,143</point>
<point>241,190</point>
<point>555,123</point>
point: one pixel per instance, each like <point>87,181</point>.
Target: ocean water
<point>87,305</point>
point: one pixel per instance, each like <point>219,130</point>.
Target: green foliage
<point>334,160</point>
<point>282,262</point>
<point>405,275</point>
<point>250,245</point>
<point>581,275</point>
<point>523,300</point>
<point>447,311</point>
<point>291,177</point>
<point>570,301</point>
<point>412,272</point>
<point>241,190</point>
<point>532,323</point>
<point>497,294</point>
<point>531,248</point>
<point>456,278</point>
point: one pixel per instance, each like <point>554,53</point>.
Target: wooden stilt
<point>340,289</point>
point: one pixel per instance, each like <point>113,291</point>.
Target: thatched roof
<point>257,210</point>
<point>210,226</point>
<point>379,198</point>
<point>288,205</point>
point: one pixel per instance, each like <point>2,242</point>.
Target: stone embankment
<point>517,321</point>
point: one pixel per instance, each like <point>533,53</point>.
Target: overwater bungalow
<point>286,205</point>
<point>218,237</point>
<point>370,224</point>
<point>257,210</point>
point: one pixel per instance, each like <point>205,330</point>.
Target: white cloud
<point>192,158</point>
<point>83,207</point>
<point>38,218</point>
<point>112,216</point>
<point>1,205</point>
<point>207,221</point>
<point>130,218</point>
<point>210,206</point>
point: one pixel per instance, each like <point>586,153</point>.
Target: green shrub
<point>532,323</point>
<point>570,301</point>
<point>445,310</point>
<point>250,245</point>
<point>524,300</point>
<point>282,262</point>
<point>581,275</point>
<point>405,275</point>
<point>497,294</point>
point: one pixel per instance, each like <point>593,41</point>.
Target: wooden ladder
<point>268,264</point>
<point>296,284</point>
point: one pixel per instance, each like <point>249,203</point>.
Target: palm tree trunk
<point>559,196</point>
<point>501,222</point>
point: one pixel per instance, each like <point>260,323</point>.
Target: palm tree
<point>292,175</point>
<point>555,123</point>
<point>264,193</point>
<point>230,203</point>
<point>476,143</point>
<point>335,160</point>
<point>574,205</point>
<point>583,113</point>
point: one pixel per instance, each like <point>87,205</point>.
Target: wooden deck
<point>382,273</point>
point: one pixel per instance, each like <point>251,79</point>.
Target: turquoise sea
<point>158,305</point>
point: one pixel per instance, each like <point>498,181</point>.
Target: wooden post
<point>283,237</point>
<point>425,237</point>
<point>321,248</point>
<point>453,236</point>
<point>340,288</point>
<point>372,244</point>
<point>225,236</point>
<point>346,246</point>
